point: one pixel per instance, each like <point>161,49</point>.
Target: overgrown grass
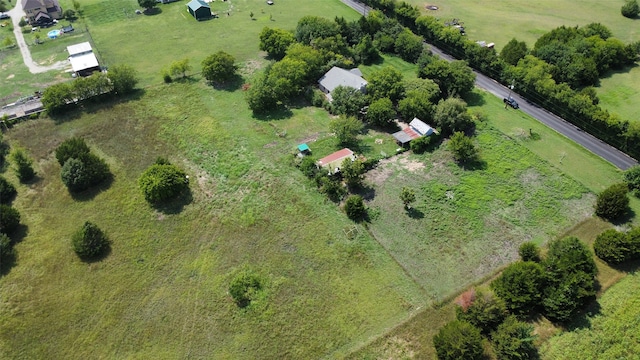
<point>17,81</point>
<point>162,292</point>
<point>619,93</point>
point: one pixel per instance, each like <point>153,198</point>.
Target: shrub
<point>569,255</point>
<point>458,340</point>
<point>308,167</point>
<point>89,241</point>
<point>9,219</point>
<point>632,179</point>
<point>529,251</point>
<point>161,182</point>
<point>563,300</point>
<point>69,14</point>
<point>354,207</point>
<point>630,9</point>
<point>219,67</point>
<point>514,340</point>
<point>7,191</point>
<point>79,174</point>
<point>613,203</point>
<point>462,147</point>
<point>330,187</point>
<point>613,247</point>
<point>520,286</point>
<point>71,148</point>
<point>420,144</point>
<point>407,196</point>
<point>486,312</point>
<point>123,77</point>
<point>22,22</point>
<point>23,166</point>
<point>244,288</point>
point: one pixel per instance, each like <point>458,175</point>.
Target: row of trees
<point>119,80</point>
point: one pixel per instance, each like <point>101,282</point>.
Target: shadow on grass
<point>414,213</point>
<point>152,11</point>
<point>280,113</point>
<point>627,267</point>
<point>97,258</point>
<point>474,99</point>
<point>582,320</point>
<point>176,205</point>
<point>367,192</point>
<point>231,85</point>
<point>626,218</point>
<point>92,192</point>
<point>7,262</point>
<point>94,105</point>
<point>473,165</point>
<point>624,70</point>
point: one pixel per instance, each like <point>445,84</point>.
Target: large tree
<point>409,46</point>
<point>458,340</point>
<point>521,286</point>
<point>451,115</point>
<point>147,4</point>
<point>381,112</point>
<point>613,203</point>
<point>219,67</point>
<point>514,339</point>
<point>123,77</point>
<point>386,83</point>
<point>513,51</point>
<point>275,42</point>
<point>346,129</point>
<point>313,27</point>
<point>454,78</point>
<point>347,101</point>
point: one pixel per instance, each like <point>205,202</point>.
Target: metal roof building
<point>341,77</point>
<point>334,161</point>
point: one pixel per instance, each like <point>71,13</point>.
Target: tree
<point>347,101</point>
<point>79,174</point>
<point>568,255</point>
<point>124,78</point>
<point>22,165</point>
<point>57,97</point>
<point>7,191</point>
<point>330,187</point>
<point>486,312</point>
<point>147,4</point>
<point>219,67</point>
<point>451,115</point>
<point>287,77</point>
<point>352,172</point>
<point>381,112</point>
<point>260,96</point>
<point>354,207</point>
<point>312,27</point>
<point>365,52</point>
<point>630,9</point>
<point>454,78</point>
<point>422,143</point>
<point>458,340</point>
<point>514,339</point>
<point>632,179</point>
<point>179,67</point>
<point>425,87</point>
<point>275,42</point>
<point>462,147</point>
<point>408,45</point>
<point>613,202</point>
<point>69,15</point>
<point>416,105</point>
<point>563,300</point>
<point>89,241</point>
<point>346,129</point>
<point>71,148</point>
<point>386,83</point>
<point>244,288</point>
<point>407,196</point>
<point>9,219</point>
<point>520,286</point>
<point>162,182</point>
<point>315,61</point>
<point>513,51</point>
<point>614,247</point>
<point>529,251</point>
<point>308,167</point>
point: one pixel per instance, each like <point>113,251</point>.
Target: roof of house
<point>81,48</point>
<point>420,127</point>
<point>338,76</point>
<point>197,4</point>
<point>83,62</point>
<point>31,4</point>
<point>338,155</point>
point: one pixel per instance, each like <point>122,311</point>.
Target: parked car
<point>4,16</point>
<point>511,102</point>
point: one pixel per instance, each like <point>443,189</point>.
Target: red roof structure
<point>334,160</point>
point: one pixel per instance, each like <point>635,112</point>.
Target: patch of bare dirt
<point>205,183</point>
<point>311,138</point>
<point>11,76</point>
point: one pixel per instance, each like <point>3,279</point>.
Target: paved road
<point>16,14</point>
<point>590,142</point>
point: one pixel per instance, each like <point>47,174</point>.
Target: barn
<point>199,9</point>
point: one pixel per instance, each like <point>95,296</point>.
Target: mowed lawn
<point>162,291</point>
<point>150,43</point>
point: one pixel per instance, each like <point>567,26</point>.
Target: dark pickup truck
<point>511,102</point>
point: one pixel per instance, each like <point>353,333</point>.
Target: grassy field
<point>162,292</point>
<point>619,93</point>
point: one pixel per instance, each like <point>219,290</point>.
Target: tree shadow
<point>624,219</point>
<point>367,192</point>
<point>627,267</point>
<point>34,180</point>
<point>19,234</point>
<point>176,205</point>
<point>97,258</point>
<point>414,213</point>
<point>624,70</point>
<point>153,11</point>
<point>7,263</point>
<point>231,85</point>
<point>473,165</point>
<point>582,320</point>
<point>90,193</point>
<point>474,99</point>
<point>357,147</point>
<point>280,113</point>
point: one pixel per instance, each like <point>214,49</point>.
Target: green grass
<point>619,93</point>
<point>17,81</point>
<point>408,70</point>
<point>162,292</point>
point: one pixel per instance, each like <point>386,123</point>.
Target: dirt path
<point>16,14</point>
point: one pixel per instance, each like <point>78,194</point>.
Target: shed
<point>199,9</point>
<point>79,49</point>
<point>333,162</point>
<point>416,129</point>
<point>420,127</point>
<point>304,149</point>
<point>84,64</point>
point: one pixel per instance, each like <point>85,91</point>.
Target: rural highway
<point>588,141</point>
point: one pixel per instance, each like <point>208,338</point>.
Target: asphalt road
<point>588,141</point>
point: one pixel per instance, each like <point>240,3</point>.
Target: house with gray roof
<point>38,9</point>
<point>341,77</point>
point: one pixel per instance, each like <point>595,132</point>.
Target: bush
<point>462,147</point>
<point>124,78</point>
<point>9,219</point>
<point>308,167</point>
<point>520,286</point>
<point>22,22</point>
<point>630,9</point>
<point>79,174</point>
<point>613,203</point>
<point>420,144</point>
<point>23,166</point>
<point>612,246</point>
<point>569,255</point>
<point>330,187</point>
<point>244,288</point>
<point>458,340</point>
<point>486,312</point>
<point>7,191</point>
<point>354,207</point>
<point>69,14</point>
<point>529,251</point>
<point>632,179</point>
<point>71,148</point>
<point>563,300</point>
<point>514,340</point>
<point>162,182</point>
<point>89,241</point>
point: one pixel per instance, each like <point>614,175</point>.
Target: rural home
<point>416,129</point>
<point>333,162</point>
<point>199,9</point>
<point>41,10</point>
<point>339,76</point>
<point>83,60</point>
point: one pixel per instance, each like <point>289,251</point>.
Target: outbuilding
<point>199,9</point>
<point>417,128</point>
<point>333,162</point>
